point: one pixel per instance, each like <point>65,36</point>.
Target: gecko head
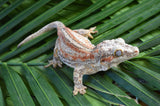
<point>115,51</point>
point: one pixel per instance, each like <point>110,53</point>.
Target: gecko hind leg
<point>56,60</point>
<point>78,84</point>
<point>86,32</point>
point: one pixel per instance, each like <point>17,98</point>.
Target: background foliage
<point>24,80</point>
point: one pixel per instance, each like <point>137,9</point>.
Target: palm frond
<point>25,81</point>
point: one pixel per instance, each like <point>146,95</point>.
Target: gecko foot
<point>81,89</point>
<point>86,32</point>
<point>91,30</point>
<point>54,63</point>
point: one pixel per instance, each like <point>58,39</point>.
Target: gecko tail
<point>48,27</point>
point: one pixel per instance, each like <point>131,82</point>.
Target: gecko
<point>74,49</point>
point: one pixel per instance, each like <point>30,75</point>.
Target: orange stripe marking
<point>108,59</point>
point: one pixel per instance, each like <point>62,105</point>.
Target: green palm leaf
<point>1,98</point>
<point>25,81</point>
<point>16,87</point>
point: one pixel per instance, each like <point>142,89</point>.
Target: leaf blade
<point>10,8</point>
<point>1,98</point>
<point>106,12</point>
<point>138,90</point>
<point>16,20</point>
<point>16,87</point>
<point>149,43</point>
<point>41,88</point>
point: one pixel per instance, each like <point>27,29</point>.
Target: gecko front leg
<point>78,82</point>
<point>86,32</point>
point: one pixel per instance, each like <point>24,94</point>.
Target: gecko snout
<point>136,52</point>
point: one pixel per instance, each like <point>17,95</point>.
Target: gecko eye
<point>118,53</point>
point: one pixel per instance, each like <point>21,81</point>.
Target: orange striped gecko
<point>74,49</point>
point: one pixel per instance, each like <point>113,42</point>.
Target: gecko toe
<point>60,64</point>
<point>75,92</point>
<point>92,30</point>
<point>81,90</point>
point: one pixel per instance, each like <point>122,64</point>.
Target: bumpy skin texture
<point>74,49</point>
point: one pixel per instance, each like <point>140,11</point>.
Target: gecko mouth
<point>136,52</point>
